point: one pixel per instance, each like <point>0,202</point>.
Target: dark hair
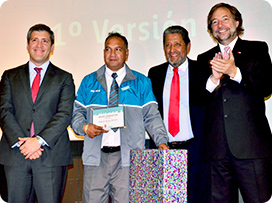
<point>116,34</point>
<point>40,27</point>
<point>179,30</point>
<point>236,15</point>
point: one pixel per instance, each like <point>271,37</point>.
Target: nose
<point>39,44</point>
<point>113,53</point>
<point>220,23</point>
<point>172,48</point>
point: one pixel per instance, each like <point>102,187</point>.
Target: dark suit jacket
<point>197,182</point>
<point>157,75</point>
<point>235,117</point>
<point>51,114</point>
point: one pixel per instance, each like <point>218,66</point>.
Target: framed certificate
<point>108,118</point>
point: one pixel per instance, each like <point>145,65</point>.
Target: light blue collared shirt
<point>32,72</point>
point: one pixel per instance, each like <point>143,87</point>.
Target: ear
<point>52,49</point>
<point>127,53</point>
<point>27,47</point>
<point>237,23</point>
<point>188,48</point>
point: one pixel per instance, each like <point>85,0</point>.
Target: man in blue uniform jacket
<point>106,153</point>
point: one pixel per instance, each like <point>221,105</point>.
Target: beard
<point>176,63</point>
<point>226,40</point>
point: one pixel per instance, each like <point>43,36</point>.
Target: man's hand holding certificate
<point>93,130</point>
<point>109,118</point>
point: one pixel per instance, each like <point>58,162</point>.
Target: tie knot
<point>175,69</point>
<point>226,49</point>
<point>114,75</point>
<point>38,70</point>
<point>226,53</point>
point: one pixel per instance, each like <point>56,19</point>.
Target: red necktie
<point>34,91</point>
<point>36,84</point>
<point>173,114</point>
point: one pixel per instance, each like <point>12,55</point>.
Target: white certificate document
<point>109,117</point>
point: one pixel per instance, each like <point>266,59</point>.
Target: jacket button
<point>33,110</point>
<point>27,129</point>
<point>225,116</point>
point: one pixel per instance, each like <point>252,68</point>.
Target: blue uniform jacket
<point>141,113</point>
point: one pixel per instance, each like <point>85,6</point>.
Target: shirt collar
<point>182,67</point>
<point>120,73</point>
<point>231,45</point>
<point>43,66</point>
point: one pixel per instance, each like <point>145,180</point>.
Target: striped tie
<point>114,90</point>
<point>226,54</point>
<point>114,96</point>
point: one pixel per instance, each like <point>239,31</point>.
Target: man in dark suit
<point>3,184</point>
<point>35,111</point>
<point>237,78</point>
<point>190,114</point>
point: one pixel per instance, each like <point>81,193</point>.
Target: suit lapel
<point>48,77</point>
<point>238,52</point>
<point>161,77</point>
<point>24,75</point>
<point>190,78</point>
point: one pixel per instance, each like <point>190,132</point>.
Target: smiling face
<point>223,26</point>
<point>40,47</point>
<point>115,53</point>
<point>175,49</point>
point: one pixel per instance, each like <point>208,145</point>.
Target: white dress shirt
<point>185,132</point>
<point>112,139</point>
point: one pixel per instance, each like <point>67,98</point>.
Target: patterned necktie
<point>173,114</point>
<point>34,91</point>
<point>114,95</point>
<point>114,92</point>
<point>226,53</point>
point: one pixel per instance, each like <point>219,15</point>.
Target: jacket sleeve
<point>61,119</point>
<point>257,70</point>
<point>152,118</point>
<point>79,118</point>
<point>8,122</point>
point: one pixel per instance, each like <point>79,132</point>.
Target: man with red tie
<point>36,103</point>
<point>236,79</point>
<point>174,86</point>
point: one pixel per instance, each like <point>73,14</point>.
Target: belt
<point>107,149</point>
<point>177,145</point>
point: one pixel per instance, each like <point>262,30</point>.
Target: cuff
<point>41,141</point>
<point>238,76</point>
<point>210,86</point>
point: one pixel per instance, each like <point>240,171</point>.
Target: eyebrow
<point>113,47</point>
